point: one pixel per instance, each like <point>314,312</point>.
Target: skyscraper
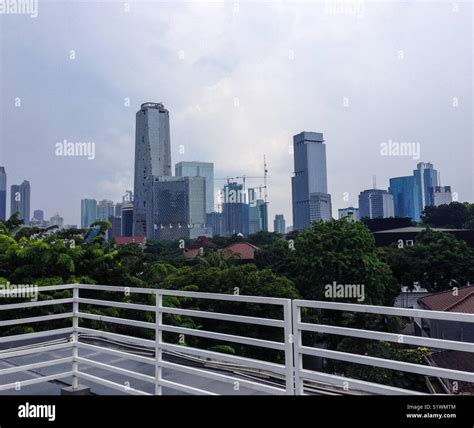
<point>375,203</point>
<point>427,179</point>
<point>258,215</point>
<point>406,194</point>
<point>235,210</point>
<point>177,209</point>
<point>88,212</point>
<point>20,201</point>
<point>279,224</point>
<point>152,157</point>
<point>105,209</point>
<point>311,201</point>
<point>199,169</point>
<point>127,219</point>
<point>3,193</point>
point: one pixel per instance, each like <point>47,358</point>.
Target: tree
<point>437,260</point>
<point>453,216</point>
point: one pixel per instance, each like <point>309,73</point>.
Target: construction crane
<point>243,177</point>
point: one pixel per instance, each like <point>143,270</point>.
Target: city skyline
<point>221,110</point>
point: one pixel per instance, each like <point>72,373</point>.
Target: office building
<point>426,179</point>
<point>56,220</point>
<point>38,215</point>
<point>375,203</point>
<point>3,194</point>
<point>88,212</point>
<point>199,169</point>
<point>20,201</point>
<point>311,201</point>
<point>215,221</point>
<point>235,210</point>
<point>279,224</point>
<point>127,219</point>
<point>258,214</point>
<point>406,194</point>
<point>116,229</point>
<point>442,195</point>
<point>105,209</point>
<point>349,213</point>
<point>177,209</point>
<point>152,157</point>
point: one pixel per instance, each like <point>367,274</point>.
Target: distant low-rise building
<point>349,212</point>
<point>442,195</point>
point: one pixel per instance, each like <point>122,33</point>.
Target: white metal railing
<point>302,374</point>
<point>256,374</point>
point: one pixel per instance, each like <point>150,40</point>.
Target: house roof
<point>123,240</point>
<point>447,301</point>
<point>245,250</point>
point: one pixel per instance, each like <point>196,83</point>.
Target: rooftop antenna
<point>375,181</point>
<point>265,172</point>
<point>439,178</point>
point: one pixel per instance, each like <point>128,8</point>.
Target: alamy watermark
<point>19,7</point>
<point>345,291</point>
<point>79,149</point>
<point>17,291</point>
<point>395,148</point>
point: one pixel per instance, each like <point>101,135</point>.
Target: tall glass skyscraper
<point>311,201</point>
<point>427,179</point>
<point>199,169</point>
<point>88,212</point>
<point>20,201</point>
<point>279,224</point>
<point>235,210</point>
<point>152,157</point>
<point>3,193</point>
<point>105,209</point>
<point>406,194</point>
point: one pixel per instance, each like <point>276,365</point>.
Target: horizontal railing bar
<point>123,305</point>
<point>185,388</point>
<point>42,288</point>
<point>47,348</point>
<point>119,289</point>
<point>25,336</point>
<point>228,297</point>
<point>360,385</point>
<point>224,317</point>
<point>39,303</point>
<point>124,337</point>
<point>122,354</point>
<point>116,320</point>
<point>386,310</point>
<point>390,364</point>
<point>36,319</point>
<point>223,378</point>
<point>217,357</point>
<point>33,366</point>
<point>114,369</point>
<point>389,337</point>
<point>110,384</point>
<point>41,379</point>
<point>225,337</point>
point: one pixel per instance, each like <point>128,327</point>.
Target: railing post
<point>75,337</point>
<point>158,341</point>
<point>288,332</point>
<point>298,357</point>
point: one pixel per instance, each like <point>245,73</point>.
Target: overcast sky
<point>239,80</point>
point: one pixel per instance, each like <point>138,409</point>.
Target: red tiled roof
<point>245,250</point>
<point>123,240</point>
<point>461,301</point>
<point>191,253</point>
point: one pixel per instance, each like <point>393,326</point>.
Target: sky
<point>239,80</point>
